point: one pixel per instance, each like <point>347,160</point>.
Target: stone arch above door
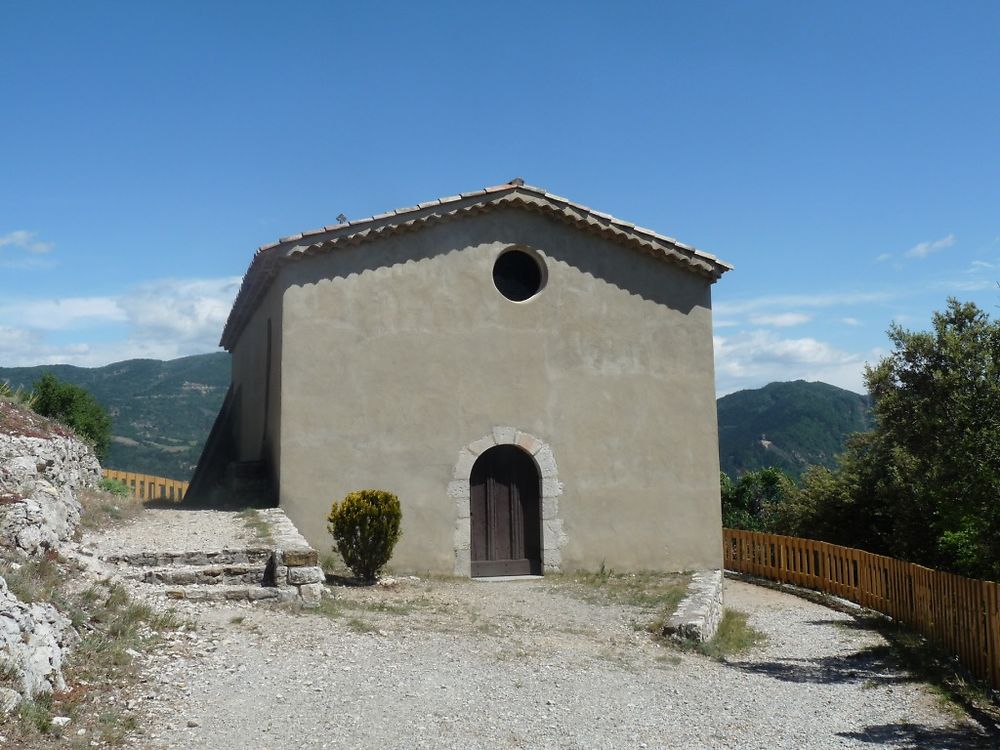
<point>553,536</point>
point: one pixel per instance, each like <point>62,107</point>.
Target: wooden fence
<point>148,487</point>
<point>961,615</point>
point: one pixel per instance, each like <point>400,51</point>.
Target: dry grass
<point>102,509</point>
<point>734,636</point>
<point>256,523</point>
<point>656,595</point>
<point>113,629</point>
<point>16,419</point>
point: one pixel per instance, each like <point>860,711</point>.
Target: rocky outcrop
<point>33,639</point>
<point>42,465</point>
<point>39,477</point>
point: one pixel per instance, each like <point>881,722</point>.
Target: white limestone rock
<point>33,640</point>
<point>39,478</point>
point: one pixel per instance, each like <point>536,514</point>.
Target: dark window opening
<point>517,275</point>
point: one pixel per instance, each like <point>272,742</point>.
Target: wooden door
<point>505,514</point>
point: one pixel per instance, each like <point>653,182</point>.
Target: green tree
<point>75,407</point>
<point>924,485</point>
<point>753,501</point>
<point>937,407</point>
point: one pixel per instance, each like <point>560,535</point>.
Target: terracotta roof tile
<point>264,265</point>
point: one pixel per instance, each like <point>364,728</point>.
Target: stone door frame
<point>553,536</point>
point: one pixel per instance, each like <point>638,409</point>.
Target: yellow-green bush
<point>365,529</point>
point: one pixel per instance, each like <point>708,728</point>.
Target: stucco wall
<point>398,353</point>
<point>258,416</point>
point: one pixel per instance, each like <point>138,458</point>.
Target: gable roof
<point>269,258</point>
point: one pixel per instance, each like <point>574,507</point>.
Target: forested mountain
<point>161,411</point>
<point>789,425</point>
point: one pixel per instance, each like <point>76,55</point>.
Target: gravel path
<point>173,529</point>
<point>463,664</point>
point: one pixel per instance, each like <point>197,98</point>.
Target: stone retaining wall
<point>698,615</point>
<point>293,564</point>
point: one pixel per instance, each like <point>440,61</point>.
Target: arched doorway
<point>505,514</point>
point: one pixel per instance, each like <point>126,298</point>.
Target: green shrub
<point>72,405</point>
<point>365,529</point>
<point>115,487</point>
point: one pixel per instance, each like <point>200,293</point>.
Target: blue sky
<point>843,156</point>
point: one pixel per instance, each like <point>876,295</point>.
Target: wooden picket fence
<point>961,615</point>
<point>148,487</point>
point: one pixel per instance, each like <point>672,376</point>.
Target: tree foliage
<point>754,500</point>
<point>366,527</point>
<point>74,407</point>
<point>924,484</point>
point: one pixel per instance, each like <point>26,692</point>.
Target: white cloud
<point>781,320</point>
<point>965,285</point>
<point>755,358</point>
<point>883,257</point>
<point>923,249</point>
<point>181,309</point>
<point>61,314</point>
<point>772,302</point>
<point>25,240</point>
<point>162,319</point>
<point>850,321</point>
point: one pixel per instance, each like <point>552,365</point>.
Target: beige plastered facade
<point>394,362</point>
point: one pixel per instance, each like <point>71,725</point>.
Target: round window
<point>518,275</point>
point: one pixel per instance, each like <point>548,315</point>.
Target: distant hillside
<point>161,411</point>
<point>788,425</point>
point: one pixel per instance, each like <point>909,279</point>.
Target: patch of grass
<point>113,629</point>
<point>116,487</point>
<point>256,523</point>
<point>36,713</point>
<point>647,590</point>
<point>35,580</point>
<point>360,626</point>
<point>655,594</point>
<point>101,509</point>
<point>237,619</point>
<point>114,727</point>
<point>329,608</point>
<point>734,636</point>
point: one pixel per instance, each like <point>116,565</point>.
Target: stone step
<point>232,593</point>
<point>244,556</point>
<point>308,597</point>
<point>208,575</point>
